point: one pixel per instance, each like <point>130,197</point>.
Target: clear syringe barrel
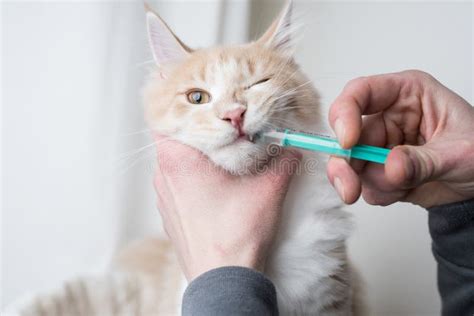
<point>327,145</point>
<point>307,141</point>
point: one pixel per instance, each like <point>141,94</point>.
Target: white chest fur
<point>308,264</point>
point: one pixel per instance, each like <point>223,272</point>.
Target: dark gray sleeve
<point>452,231</point>
<point>230,291</point>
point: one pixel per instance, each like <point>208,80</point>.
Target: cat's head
<point>217,99</point>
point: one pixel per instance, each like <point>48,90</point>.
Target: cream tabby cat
<point>216,100</point>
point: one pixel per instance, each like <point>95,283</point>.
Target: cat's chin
<point>240,158</point>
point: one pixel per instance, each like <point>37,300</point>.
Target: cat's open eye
<point>198,96</point>
<point>258,82</point>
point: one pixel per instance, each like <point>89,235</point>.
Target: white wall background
<point>71,74</point>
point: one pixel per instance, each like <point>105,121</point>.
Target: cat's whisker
<point>147,130</point>
<point>136,151</point>
<point>284,101</point>
<point>142,153</point>
<point>121,164</point>
<point>145,63</point>
<point>285,111</point>
<point>271,126</point>
<point>284,123</point>
<point>279,72</point>
<point>284,82</point>
<point>148,157</point>
<point>289,78</point>
<point>293,90</point>
<point>129,155</point>
<point>287,93</point>
<point>270,101</point>
<point>283,65</point>
<point>299,86</point>
<point>289,108</point>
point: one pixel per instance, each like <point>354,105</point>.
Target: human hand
<point>431,127</point>
<point>214,218</point>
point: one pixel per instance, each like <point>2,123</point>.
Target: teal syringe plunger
<point>289,138</point>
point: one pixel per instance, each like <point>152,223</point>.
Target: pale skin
<point>431,127</point>
<point>216,219</point>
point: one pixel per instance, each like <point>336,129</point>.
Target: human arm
<point>215,219</point>
<point>230,291</point>
<point>452,231</point>
<point>432,165</point>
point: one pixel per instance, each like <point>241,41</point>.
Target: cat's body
<point>308,265</point>
<point>193,97</point>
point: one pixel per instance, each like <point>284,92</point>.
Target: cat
<point>218,100</point>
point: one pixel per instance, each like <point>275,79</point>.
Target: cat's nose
<point>235,117</point>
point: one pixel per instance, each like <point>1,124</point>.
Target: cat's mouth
<point>251,138</point>
<point>242,139</point>
<point>247,137</point>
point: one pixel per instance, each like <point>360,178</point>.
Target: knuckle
<point>418,75</point>
<point>357,82</point>
<point>425,164</point>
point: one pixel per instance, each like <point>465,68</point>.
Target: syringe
<point>289,138</point>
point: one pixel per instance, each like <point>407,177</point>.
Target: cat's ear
<point>279,35</point>
<point>165,45</point>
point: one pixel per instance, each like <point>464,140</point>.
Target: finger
<point>165,219</point>
<point>162,192</point>
<point>159,180</point>
<point>373,133</point>
<point>344,179</point>
<point>410,166</point>
<point>280,171</point>
<point>178,160</point>
<point>407,168</point>
<point>374,196</point>
<point>164,196</point>
<point>376,187</point>
<point>362,96</point>
<point>164,203</point>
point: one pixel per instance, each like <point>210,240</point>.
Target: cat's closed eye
<point>257,83</point>
<point>197,96</point>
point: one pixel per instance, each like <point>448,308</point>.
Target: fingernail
<point>340,130</point>
<point>339,188</point>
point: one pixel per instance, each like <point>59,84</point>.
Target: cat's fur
<point>308,263</point>
<point>144,280</point>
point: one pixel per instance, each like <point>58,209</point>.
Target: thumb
<point>410,166</point>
